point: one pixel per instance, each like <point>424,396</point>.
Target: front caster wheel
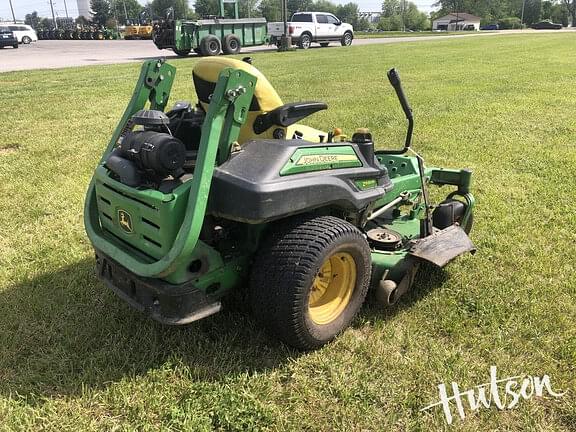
<point>309,279</point>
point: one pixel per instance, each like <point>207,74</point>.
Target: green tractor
<point>233,197</point>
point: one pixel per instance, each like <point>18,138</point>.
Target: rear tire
<point>210,46</point>
<point>310,279</point>
<point>347,39</point>
<point>305,40</point>
<point>14,46</point>
<point>26,40</point>
<point>231,44</point>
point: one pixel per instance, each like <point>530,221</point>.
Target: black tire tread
<point>226,44</point>
<point>344,36</point>
<point>300,42</point>
<point>205,44</point>
<point>282,269</point>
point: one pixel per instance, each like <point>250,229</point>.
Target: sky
<point>22,7</point>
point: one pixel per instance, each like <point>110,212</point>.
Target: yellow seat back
<point>205,76</point>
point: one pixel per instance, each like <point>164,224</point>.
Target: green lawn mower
<point>232,196</point>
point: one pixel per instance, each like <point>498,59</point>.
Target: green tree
<point>397,15</point>
<point>205,8</point>
<point>133,9</point>
<point>45,24</point>
<point>391,8</point>
<point>532,11</point>
<point>32,19</point>
<point>362,24</point>
<point>571,7</point>
<point>348,13</point>
<point>181,10</point>
<point>546,10</point>
<point>101,11</point>
<point>390,23</point>
<point>560,14</point>
<point>81,20</point>
<point>324,6</point>
<point>271,10</point>
<point>299,6</point>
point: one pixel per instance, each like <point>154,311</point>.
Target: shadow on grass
<point>428,278</point>
<point>64,330</point>
<point>168,54</point>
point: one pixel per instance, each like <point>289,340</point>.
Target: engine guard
<point>443,246</point>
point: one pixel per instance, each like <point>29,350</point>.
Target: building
<point>371,17</point>
<point>457,21</point>
<point>84,8</point>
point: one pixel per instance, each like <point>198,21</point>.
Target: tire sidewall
<point>347,36</point>
<point>231,44</point>
<point>213,47</point>
<point>26,40</point>
<point>181,53</point>
<point>303,38</point>
<point>322,333</point>
<point>207,48</point>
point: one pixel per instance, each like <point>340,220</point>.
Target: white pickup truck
<point>308,27</point>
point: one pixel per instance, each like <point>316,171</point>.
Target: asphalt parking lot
<point>50,54</point>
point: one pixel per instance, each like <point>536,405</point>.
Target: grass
<point>74,357</point>
<point>397,34</point>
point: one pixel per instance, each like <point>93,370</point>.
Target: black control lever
<point>394,79</point>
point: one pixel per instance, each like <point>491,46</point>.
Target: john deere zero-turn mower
<point>233,194</point>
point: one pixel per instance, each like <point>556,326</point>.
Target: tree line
<point>396,15</point>
<point>508,13</point>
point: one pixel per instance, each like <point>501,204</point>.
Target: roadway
<point>51,54</point>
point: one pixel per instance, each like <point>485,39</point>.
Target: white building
<point>457,21</point>
<point>371,17</point>
<point>84,8</point>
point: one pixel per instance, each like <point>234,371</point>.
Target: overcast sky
<point>22,7</point>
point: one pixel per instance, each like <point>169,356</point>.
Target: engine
<point>156,148</point>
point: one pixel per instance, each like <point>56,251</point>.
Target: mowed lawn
<point>75,357</point>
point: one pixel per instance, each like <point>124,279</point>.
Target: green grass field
<point>397,34</point>
<point>75,357</point>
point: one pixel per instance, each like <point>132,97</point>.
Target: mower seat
<point>268,117</point>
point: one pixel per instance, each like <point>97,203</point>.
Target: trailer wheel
<point>181,53</point>
<point>210,46</point>
<point>231,44</point>
<point>309,279</point>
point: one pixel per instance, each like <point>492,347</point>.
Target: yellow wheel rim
<point>332,288</point>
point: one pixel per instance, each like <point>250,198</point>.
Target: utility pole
<point>404,15</point>
<point>125,12</point>
<point>522,19</point>
<point>12,9</point>
<point>66,9</point>
<point>457,17</point>
<point>53,17</point>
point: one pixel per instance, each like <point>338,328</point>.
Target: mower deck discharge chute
<point>233,193</point>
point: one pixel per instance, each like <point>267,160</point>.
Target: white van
<point>24,33</point>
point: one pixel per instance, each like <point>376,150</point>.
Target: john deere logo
<point>125,221</point>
